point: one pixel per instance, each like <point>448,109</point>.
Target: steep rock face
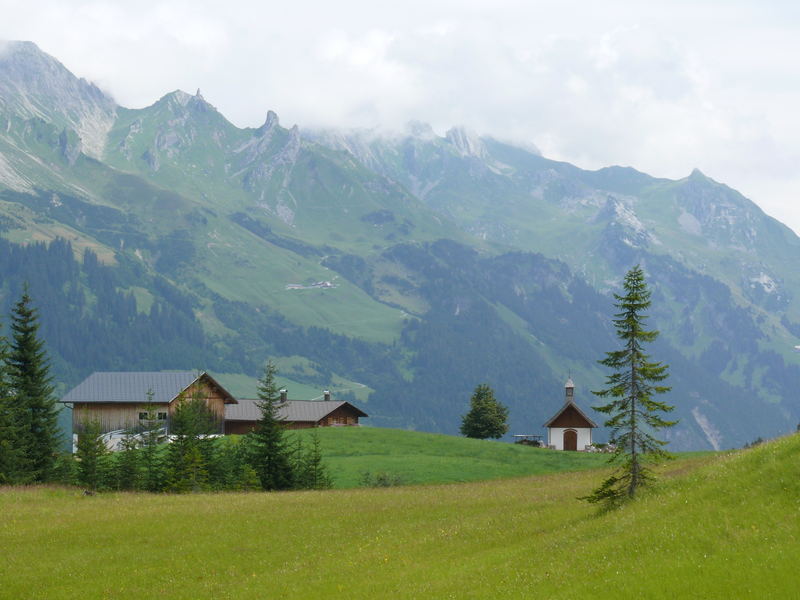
<point>35,85</point>
<point>717,213</point>
<point>466,143</point>
<point>268,152</point>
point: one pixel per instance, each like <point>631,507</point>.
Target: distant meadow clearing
<point>722,526</point>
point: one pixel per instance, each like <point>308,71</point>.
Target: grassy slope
<point>717,527</point>
<point>423,458</point>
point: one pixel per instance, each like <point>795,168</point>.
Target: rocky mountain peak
<point>178,97</point>
<point>466,142</point>
<point>191,102</point>
<point>272,121</point>
<point>420,130</point>
<point>33,84</point>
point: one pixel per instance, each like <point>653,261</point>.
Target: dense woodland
<point>124,317</point>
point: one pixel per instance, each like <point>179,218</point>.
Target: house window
<point>162,416</point>
<point>142,416</point>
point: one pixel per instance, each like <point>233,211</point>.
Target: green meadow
<point>412,457</point>
<point>715,526</point>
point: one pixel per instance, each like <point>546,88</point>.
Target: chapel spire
<point>569,390</point>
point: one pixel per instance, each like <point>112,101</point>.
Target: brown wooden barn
<point>297,414</point>
<point>569,428</point>
<point>119,400</point>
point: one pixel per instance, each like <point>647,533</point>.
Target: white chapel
<point>569,428</point>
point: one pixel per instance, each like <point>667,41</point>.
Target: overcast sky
<point>664,87</point>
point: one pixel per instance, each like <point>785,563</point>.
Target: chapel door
<point>570,439</point>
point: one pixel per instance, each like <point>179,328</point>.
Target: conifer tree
<point>127,466</point>
<point>486,417</point>
<point>152,477</point>
<point>312,472</point>
<point>90,453</point>
<point>270,455</point>
<point>13,436</point>
<point>635,415</point>
<point>230,468</point>
<point>189,452</point>
<point>29,376</point>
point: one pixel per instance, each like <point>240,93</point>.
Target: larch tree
<point>271,455</point>
<point>634,414</point>
<point>30,382</point>
<point>486,417</point>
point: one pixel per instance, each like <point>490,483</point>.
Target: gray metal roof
<point>133,386</point>
<point>293,410</point>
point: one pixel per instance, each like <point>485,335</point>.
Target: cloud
<point>661,87</point>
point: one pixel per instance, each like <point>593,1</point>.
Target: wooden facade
<point>243,427</point>
<point>570,417</point>
<point>119,415</point>
<point>239,427</point>
<point>112,416</point>
<point>344,415</point>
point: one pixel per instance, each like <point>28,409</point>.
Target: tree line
<point>196,459</point>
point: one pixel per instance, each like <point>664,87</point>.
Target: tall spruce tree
<point>635,416</point>
<point>13,435</point>
<point>29,377</point>
<point>271,455</point>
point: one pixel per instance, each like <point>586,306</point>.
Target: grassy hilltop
<point>723,526</point>
<point>424,458</point>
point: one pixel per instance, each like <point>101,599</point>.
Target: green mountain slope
<point>725,288</point>
<point>414,265</point>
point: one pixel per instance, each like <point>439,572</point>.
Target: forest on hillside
<point>123,316</point>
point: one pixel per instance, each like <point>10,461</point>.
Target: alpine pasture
<point>715,526</point>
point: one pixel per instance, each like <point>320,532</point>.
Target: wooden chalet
<point>296,414</point>
<point>569,428</point>
<point>119,400</point>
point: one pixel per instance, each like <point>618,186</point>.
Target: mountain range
<point>401,269</point>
